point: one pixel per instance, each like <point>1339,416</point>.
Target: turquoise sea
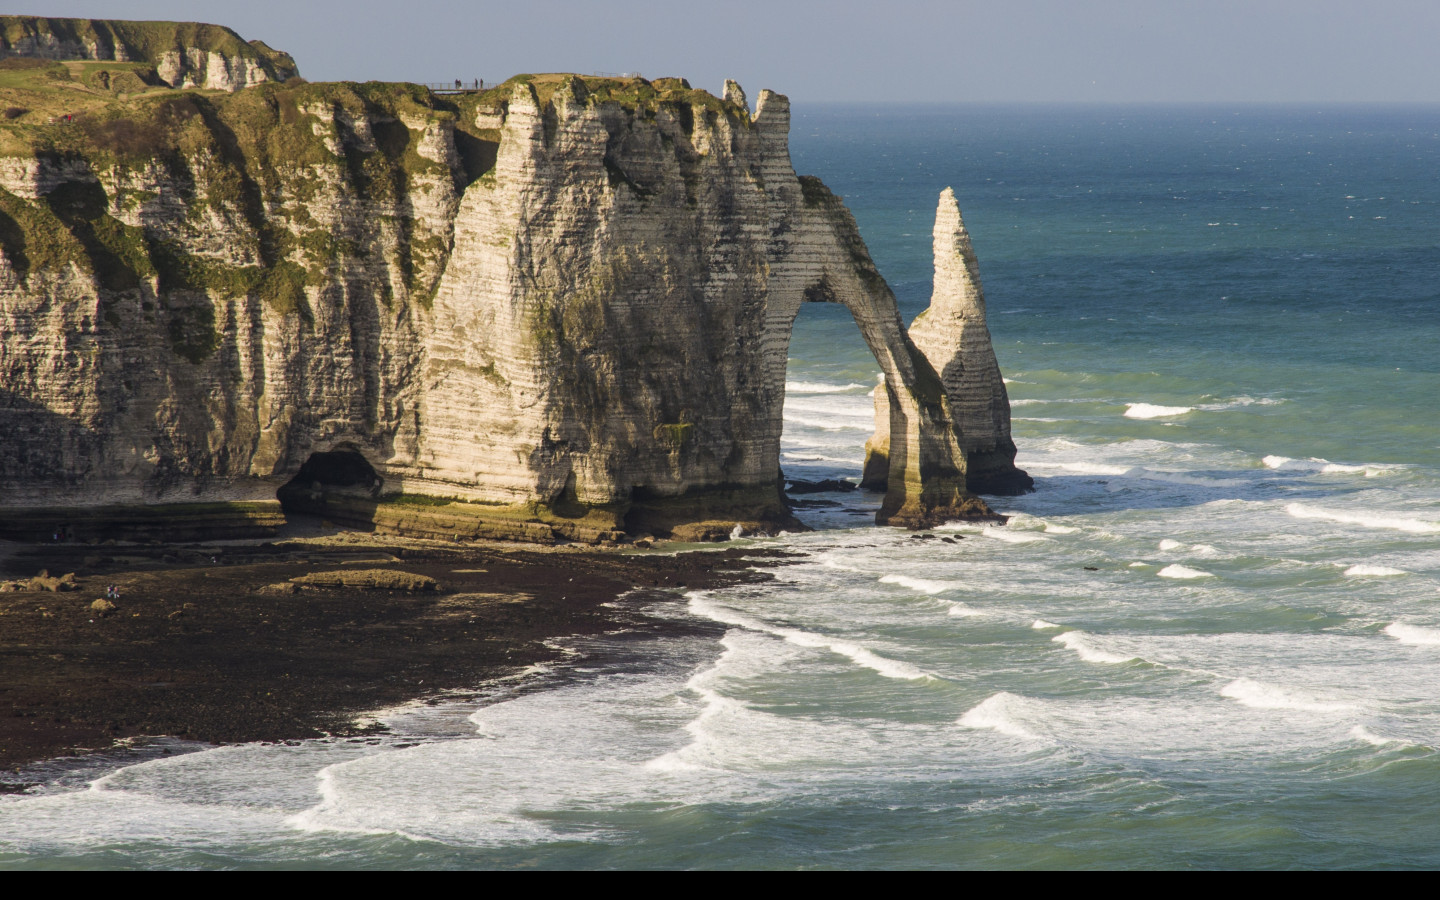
<point>1211,638</point>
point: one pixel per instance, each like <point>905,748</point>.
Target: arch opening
<point>829,415</point>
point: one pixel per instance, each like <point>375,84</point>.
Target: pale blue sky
<point>916,50</point>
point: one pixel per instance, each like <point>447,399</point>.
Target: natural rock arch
<point>588,339</point>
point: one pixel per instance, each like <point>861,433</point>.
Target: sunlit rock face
<point>557,311</point>
<point>953,335</point>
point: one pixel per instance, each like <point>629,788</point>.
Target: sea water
<point>1210,638</point>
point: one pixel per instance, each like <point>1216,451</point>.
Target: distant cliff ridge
<point>559,309</point>
<point>181,54</point>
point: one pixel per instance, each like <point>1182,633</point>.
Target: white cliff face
<point>594,330</point>
<point>953,335</point>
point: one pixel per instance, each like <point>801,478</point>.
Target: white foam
<point>857,654</point>
<point>920,584</point>
<point>1259,695</point>
<point>1060,529</point>
<point>960,610</point>
<point>1001,533</point>
<point>1001,713</point>
<point>1140,565</point>
<point>1183,572</point>
<point>819,387</point>
<point>1082,468</point>
<point>1078,641</point>
<point>1324,466</point>
<point>1365,571</point>
<point>1243,401</point>
<point>1361,733</point>
<point>1169,544</point>
<point>1415,635</point>
<point>1151,411</point>
<point>826,424</point>
<point>1042,625</point>
<point>1366,520</point>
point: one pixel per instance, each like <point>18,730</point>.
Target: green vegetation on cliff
<point>258,160</point>
<point>133,41</point>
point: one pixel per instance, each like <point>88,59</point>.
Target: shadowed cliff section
<point>556,310</point>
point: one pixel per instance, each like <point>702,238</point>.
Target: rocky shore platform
<point>293,638</point>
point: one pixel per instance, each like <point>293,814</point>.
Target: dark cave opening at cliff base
<point>829,415</point>
<point>343,470</point>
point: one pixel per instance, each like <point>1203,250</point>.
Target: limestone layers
<point>955,339</point>
<point>560,309</point>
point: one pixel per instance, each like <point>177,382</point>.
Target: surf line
<point>861,656</point>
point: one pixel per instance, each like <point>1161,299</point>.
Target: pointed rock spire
<point>955,339</point>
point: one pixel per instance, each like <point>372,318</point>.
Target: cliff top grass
<point>632,93</point>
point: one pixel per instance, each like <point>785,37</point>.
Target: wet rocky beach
<point>289,639</point>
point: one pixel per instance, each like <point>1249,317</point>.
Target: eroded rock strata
<point>559,309</point>
<point>953,335</point>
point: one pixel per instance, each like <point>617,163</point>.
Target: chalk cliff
<point>177,54</point>
<point>953,335</point>
<point>559,309</point>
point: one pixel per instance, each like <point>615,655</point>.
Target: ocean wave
<point>1001,712</point>
<point>1366,520</point>
<point>1361,733</point>
<point>1078,642</point>
<point>1319,466</point>
<point>920,584</point>
<point>1183,572</point>
<point>1259,695</point>
<point>1060,529</point>
<point>1000,533</point>
<point>1366,571</point>
<point>1243,401</point>
<point>1415,635</point>
<point>857,654</point>
<point>1169,544</point>
<point>1042,625</point>
<point>1151,411</point>
<point>815,457</point>
<point>1081,468</point>
<point>818,387</point>
<point>825,424</point>
<point>961,611</point>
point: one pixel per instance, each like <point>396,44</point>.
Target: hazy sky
<point>916,50</point>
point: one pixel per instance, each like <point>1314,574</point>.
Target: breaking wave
<point>1415,635</point>
<point>818,387</point>
<point>920,584</point>
<point>857,654</point>
<point>1382,520</point>
<point>1259,695</point>
<point>1183,572</point>
<point>1077,641</point>
<point>1364,571</point>
<point>1151,411</point>
<point>1001,712</point>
